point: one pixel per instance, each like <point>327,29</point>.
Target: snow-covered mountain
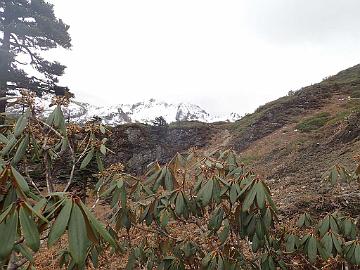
<point>142,112</point>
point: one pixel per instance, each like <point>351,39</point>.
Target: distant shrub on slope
<point>314,122</point>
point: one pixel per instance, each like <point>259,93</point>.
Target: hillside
<point>291,141</point>
<point>294,140</point>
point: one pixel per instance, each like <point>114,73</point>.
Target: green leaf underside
<point>78,241</point>
<point>29,229</point>
<point>61,222</point>
<point>8,235</point>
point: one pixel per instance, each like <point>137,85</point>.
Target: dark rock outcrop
<point>136,145</point>
<point>350,132</point>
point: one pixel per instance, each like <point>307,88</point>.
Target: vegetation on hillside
<point>314,122</point>
<point>299,105</point>
<point>195,212</point>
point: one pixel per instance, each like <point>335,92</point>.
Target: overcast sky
<point>226,56</point>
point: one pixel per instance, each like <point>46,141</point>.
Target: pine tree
<point>28,27</point>
<point>160,122</point>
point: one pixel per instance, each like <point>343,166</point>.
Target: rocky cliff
<point>136,145</point>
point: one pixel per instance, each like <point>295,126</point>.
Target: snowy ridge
<point>141,112</point>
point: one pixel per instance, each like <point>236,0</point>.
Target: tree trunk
<point>5,65</point>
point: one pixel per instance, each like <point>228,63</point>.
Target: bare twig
<point>47,167</point>
<point>51,128</point>
<point>74,161</point>
<point>73,158</point>
<point>49,183</point>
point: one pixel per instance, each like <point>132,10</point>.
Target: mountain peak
<point>143,112</point>
<point>147,111</point>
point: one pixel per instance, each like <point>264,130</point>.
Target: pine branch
<point>32,55</point>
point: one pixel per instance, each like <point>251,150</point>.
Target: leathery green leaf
<point>103,149</point>
<point>169,184</point>
<point>179,204</point>
<point>8,235</point>
<point>301,221</point>
<point>206,191</point>
<point>152,177</point>
<point>21,123</point>
<point>61,222</point>
<point>255,243</point>
<point>206,260</point>
<point>323,253</point>
<point>36,213</point>
<point>164,218</point>
<point>20,180</point>
<point>259,229</point>
<point>312,249</point>
<point>9,145</point>
<point>267,218</point>
<point>290,243</point>
<point>3,139</point>
<point>233,193</point>
<point>349,250</point>
<point>221,265</point>
<point>87,159</point>
<point>20,152</point>
<point>304,239</point>
<point>260,195</point>
<point>325,226</point>
<point>337,243</point>
<point>357,254</point>
<point>98,226</point>
<point>216,191</point>
<point>333,224</point>
<point>59,120</point>
<point>249,199</point>
<point>333,176</point>
<point>268,197</point>
<point>327,242</point>
<point>50,118</point>
<point>6,212</point>
<point>29,229</point>
<point>347,226</point>
<point>78,241</point>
